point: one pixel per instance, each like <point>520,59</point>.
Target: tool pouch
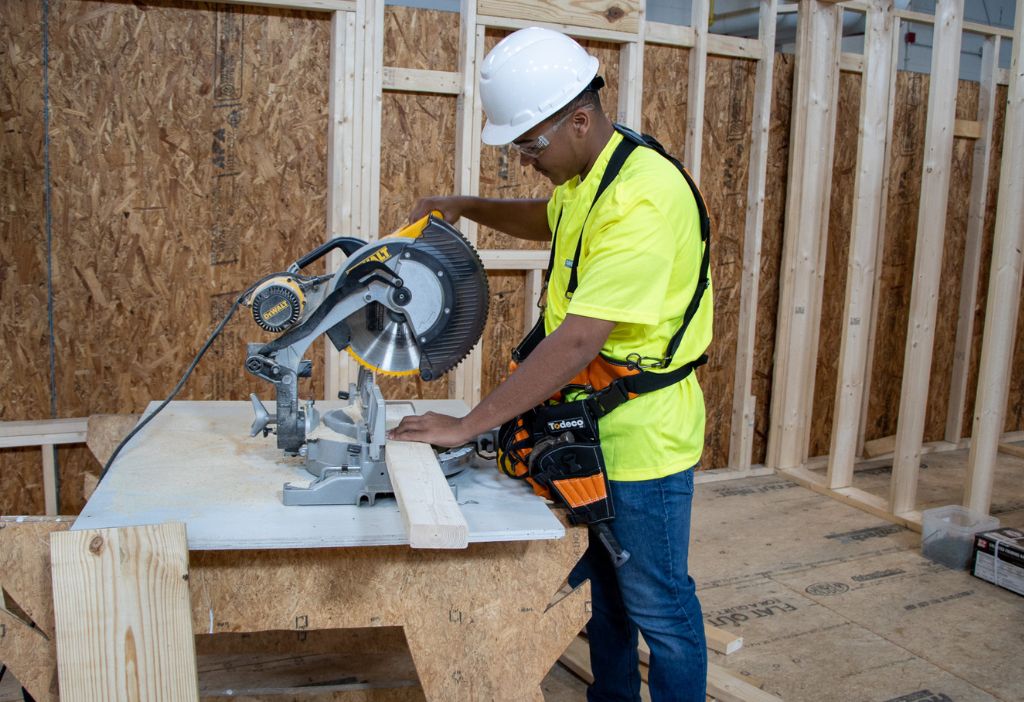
<point>557,449</point>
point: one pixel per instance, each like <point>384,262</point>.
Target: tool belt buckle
<point>609,398</point>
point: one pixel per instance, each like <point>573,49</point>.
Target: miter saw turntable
<point>413,302</point>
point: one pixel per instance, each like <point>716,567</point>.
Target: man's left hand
<point>432,428</point>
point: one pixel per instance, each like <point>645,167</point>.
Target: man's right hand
<point>450,207</point>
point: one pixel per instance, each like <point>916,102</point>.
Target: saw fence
<point>161,157</point>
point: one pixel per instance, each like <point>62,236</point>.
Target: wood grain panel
<point>121,600</point>
<point>620,15</point>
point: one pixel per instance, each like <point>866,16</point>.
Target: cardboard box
<point>999,558</point>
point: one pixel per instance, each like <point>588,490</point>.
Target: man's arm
<point>524,219</point>
<point>554,362</point>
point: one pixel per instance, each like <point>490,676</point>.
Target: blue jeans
<point>652,592</point>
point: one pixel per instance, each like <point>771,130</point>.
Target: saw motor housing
<point>414,302</point>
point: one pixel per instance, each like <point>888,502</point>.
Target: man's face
<point>544,148</point>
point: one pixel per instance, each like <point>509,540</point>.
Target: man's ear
<point>581,122</point>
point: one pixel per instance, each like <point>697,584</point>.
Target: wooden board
<point>122,604</point>
<point>196,463</point>
<point>429,511</point>
<point>619,15</point>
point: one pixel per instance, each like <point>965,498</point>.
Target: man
<point>638,270</point>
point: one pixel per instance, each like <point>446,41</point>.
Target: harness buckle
<point>636,361</point>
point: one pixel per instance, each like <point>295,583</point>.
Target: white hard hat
<point>529,76</point>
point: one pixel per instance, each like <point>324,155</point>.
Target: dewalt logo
<point>279,307</point>
<point>380,255</point>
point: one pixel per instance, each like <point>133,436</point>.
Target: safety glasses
<point>535,147</point>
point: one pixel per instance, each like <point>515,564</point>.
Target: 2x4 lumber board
<point>854,497</point>
<point>314,5</point>
<point>980,166</point>
<point>124,620</point>
<point>1004,289</point>
<point>931,230</point>
<point>718,475</point>
<point>514,259</point>
<point>851,63</point>
<point>694,143</point>
<point>722,684</point>
<point>1011,450</point>
<point>467,378</point>
<point>417,80</point>
<point>718,640</point>
<point>50,479</point>
<point>580,32</point>
<point>39,433</point>
<point>869,197</point>
<point>879,264</point>
<point>972,27</point>
<point>631,81</point>
<point>620,15</point>
<point>340,157</point>
<point>741,439</point>
<point>726,686</point>
<point>670,34</point>
<point>806,230</point>
<point>429,510</point>
<point>735,47</point>
<point>534,290</point>
<point>967,129</point>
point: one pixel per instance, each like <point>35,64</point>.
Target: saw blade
<point>382,344</point>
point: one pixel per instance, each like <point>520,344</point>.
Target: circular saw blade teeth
<point>379,371</point>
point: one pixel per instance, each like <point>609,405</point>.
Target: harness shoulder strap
<point>618,158</point>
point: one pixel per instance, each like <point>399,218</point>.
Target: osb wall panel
<point>665,93</point>
<point>424,39</point>
<point>187,150</point>
<point>728,109</point>
<point>418,134</point>
<point>837,243</point>
<point>24,366</point>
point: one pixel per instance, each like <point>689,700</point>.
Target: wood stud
<point>931,231</point>
<point>813,129</point>
<point>870,194</point>
<point>741,441</point>
<point>1003,293</point>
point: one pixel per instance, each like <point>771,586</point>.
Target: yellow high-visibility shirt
<point>638,267</point>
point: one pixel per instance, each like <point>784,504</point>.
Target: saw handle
<point>411,231</point>
<point>347,244</point>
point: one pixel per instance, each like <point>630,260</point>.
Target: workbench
<point>486,622</point>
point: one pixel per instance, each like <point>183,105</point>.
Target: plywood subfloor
<point>834,604</point>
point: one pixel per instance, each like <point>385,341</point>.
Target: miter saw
<point>413,302</point>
